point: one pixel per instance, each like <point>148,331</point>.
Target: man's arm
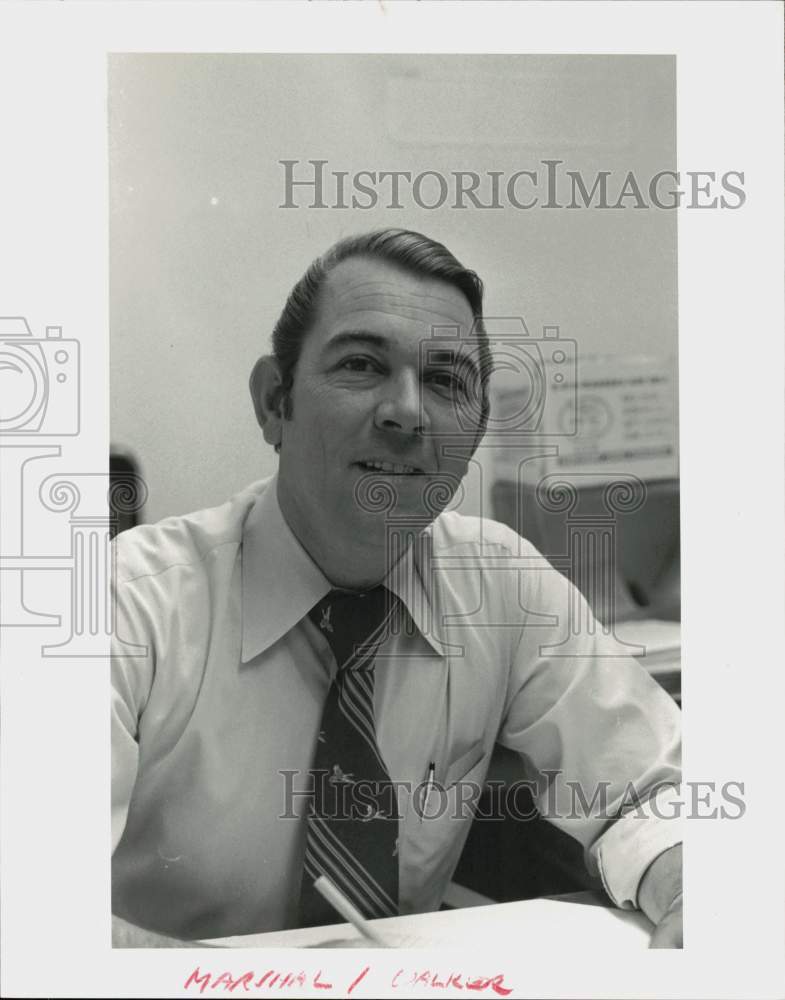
<point>602,742</point>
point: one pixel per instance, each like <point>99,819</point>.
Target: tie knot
<point>354,623</point>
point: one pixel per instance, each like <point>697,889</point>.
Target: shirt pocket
<point>433,841</point>
<point>460,767</point>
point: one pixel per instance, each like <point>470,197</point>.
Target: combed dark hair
<point>410,251</point>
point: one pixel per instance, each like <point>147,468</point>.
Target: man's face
<point>365,405</point>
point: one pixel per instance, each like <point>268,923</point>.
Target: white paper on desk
<point>660,639</point>
<point>655,634</point>
<point>537,922</point>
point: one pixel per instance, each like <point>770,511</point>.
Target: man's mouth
<point>390,468</point>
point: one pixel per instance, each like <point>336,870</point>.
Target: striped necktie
<point>352,821</point>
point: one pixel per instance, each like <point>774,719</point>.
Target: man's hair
<point>404,248</point>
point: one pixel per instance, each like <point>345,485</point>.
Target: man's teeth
<point>393,467</point>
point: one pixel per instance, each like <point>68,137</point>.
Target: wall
<point>202,256</point>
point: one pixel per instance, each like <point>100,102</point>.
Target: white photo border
<point>54,207</point>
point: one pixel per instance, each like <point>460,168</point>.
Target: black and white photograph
<point>387,521</point>
<point>504,725</point>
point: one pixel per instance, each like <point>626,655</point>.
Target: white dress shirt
<point>218,683</point>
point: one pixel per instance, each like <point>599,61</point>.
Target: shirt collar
<point>281,583</point>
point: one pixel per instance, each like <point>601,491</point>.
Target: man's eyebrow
<point>350,337</point>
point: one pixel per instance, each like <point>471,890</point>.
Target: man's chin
<point>375,547</point>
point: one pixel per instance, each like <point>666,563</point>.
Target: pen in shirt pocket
<point>430,781</point>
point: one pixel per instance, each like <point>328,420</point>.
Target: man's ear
<point>266,385</point>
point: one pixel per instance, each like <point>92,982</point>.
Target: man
<point>248,683</point>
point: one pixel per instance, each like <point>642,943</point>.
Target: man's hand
<point>659,896</point>
<point>669,933</point>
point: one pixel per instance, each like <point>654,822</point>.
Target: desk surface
<point>503,925</point>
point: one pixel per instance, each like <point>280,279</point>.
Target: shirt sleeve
<point>132,675</point>
<point>599,738</point>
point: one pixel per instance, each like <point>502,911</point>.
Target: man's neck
<point>358,565</point>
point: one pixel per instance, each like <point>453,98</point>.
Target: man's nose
<point>401,407</point>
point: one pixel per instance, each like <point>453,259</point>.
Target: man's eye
<point>359,364</point>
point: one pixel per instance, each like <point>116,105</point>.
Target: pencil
<point>347,910</point>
